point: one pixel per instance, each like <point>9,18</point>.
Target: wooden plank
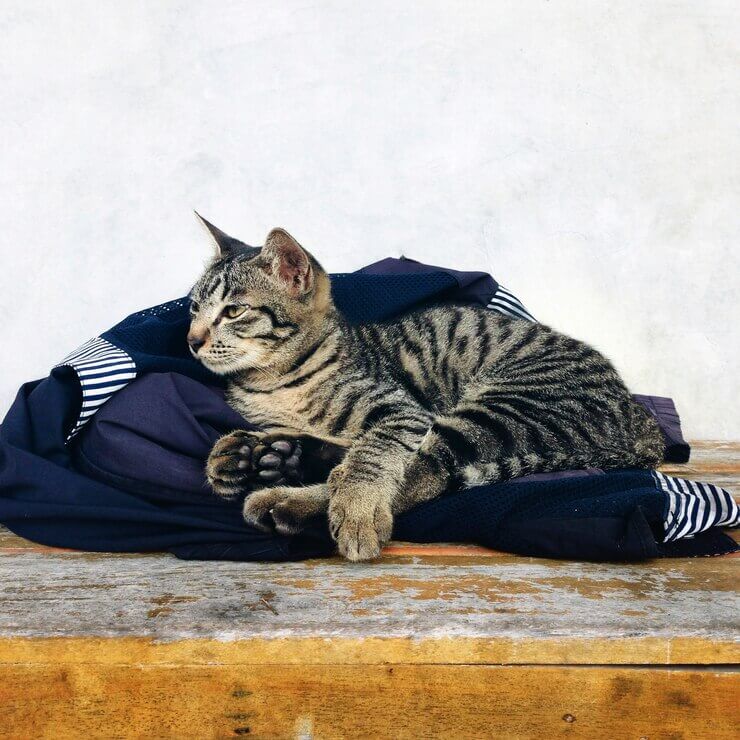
<point>380,701</point>
<point>708,450</point>
<point>423,603</point>
<point>433,641</point>
<point>435,609</point>
<point>708,458</point>
<point>419,650</point>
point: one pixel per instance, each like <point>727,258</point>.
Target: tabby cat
<point>389,415</point>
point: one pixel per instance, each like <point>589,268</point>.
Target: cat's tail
<point>506,468</point>
<point>646,451</point>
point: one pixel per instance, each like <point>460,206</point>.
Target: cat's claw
<point>242,461</point>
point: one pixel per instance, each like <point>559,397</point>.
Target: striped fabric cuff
<point>102,369</point>
<point>505,302</point>
<point>693,507</point>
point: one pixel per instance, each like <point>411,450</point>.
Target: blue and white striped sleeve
<point>693,507</point>
<point>505,302</point>
<point>102,369</point>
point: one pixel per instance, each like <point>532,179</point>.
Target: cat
<point>388,415</point>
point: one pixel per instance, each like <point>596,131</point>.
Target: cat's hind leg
<point>466,438</point>
<point>493,436</point>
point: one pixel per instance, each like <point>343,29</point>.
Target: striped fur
<point>444,397</point>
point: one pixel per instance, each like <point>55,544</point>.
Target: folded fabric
<point>133,480</point>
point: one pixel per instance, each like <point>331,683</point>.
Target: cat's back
<point>433,352</point>
<point>468,334</point>
<point>440,348</point>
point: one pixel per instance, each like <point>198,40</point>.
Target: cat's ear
<point>289,262</point>
<point>225,245</point>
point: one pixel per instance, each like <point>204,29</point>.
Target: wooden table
<point>432,641</point>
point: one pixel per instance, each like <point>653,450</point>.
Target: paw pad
<point>242,461</point>
<point>278,462</point>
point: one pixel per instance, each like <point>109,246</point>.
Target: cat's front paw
<point>285,509</point>
<point>258,507</point>
<point>243,460</point>
<point>360,522</point>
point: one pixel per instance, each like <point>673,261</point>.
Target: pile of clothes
<point>107,454</point>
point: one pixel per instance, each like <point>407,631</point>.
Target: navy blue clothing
<point>132,479</point>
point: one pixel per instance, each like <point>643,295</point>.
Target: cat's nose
<point>196,341</point>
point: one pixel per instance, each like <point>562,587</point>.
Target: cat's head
<point>256,307</point>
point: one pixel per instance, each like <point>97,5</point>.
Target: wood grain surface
<point>398,701</point>
<point>505,599</point>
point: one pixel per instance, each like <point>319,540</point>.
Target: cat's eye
<point>233,310</point>
<point>194,307</point>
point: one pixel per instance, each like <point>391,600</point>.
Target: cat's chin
<point>224,368</point>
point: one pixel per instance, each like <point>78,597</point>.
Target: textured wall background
<point>587,153</point>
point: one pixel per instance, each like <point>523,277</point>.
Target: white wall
<point>586,153</point>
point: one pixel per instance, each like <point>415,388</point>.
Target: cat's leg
<point>429,471</point>
<point>363,487</point>
<point>473,438</point>
<point>245,460</point>
<point>492,435</point>
<point>285,508</point>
